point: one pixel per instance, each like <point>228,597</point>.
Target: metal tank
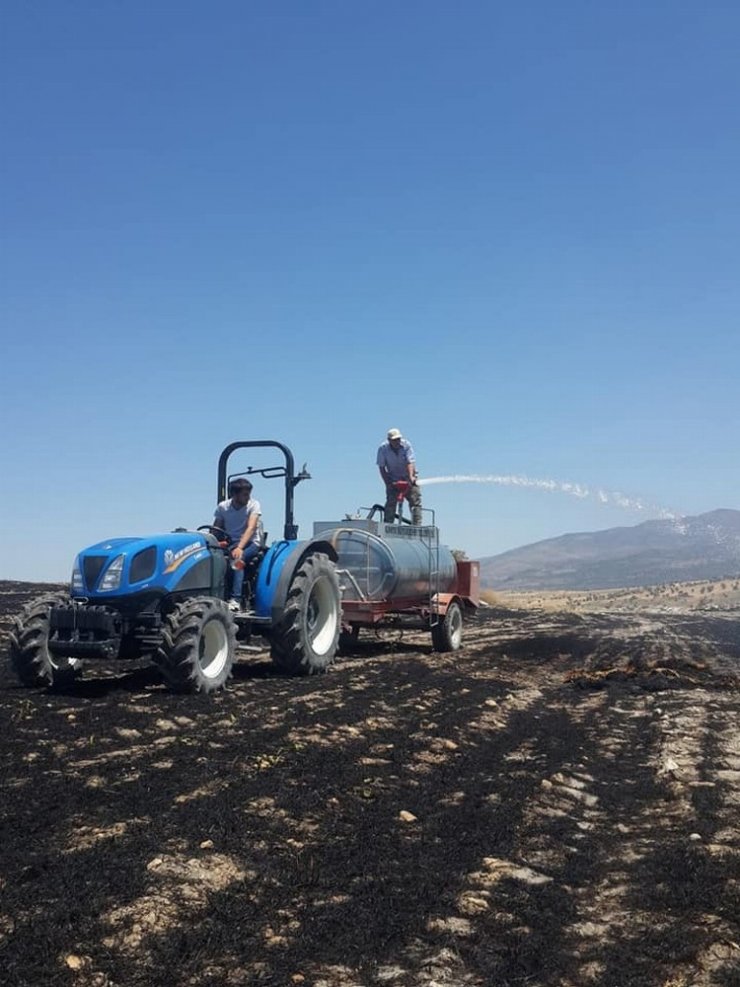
<point>388,562</point>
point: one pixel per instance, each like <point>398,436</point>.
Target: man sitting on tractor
<point>241,519</point>
<point>397,463</point>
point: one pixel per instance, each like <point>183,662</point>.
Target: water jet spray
<point>611,497</point>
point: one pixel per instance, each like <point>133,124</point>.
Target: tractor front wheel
<point>305,641</point>
<point>447,634</point>
<point>29,646</point>
<point>198,645</point>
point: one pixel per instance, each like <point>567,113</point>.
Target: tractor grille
<point>91,566</point>
<point>143,564</point>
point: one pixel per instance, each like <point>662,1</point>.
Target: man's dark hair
<point>236,486</point>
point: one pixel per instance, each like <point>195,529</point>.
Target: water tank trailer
<point>399,574</point>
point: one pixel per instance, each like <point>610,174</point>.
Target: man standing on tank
<point>396,461</point>
<point>241,519</point>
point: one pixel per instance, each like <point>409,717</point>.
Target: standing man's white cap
<point>394,433</point>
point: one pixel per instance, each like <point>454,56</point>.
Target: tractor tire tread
<point>177,655</point>
<point>28,638</point>
<point>289,650</point>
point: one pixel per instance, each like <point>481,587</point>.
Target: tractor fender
<point>277,570</point>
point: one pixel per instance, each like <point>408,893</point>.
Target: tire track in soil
<point>687,870</point>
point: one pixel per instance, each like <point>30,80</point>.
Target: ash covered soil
<point>555,804</point>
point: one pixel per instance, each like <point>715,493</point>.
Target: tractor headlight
<point>76,584</point>
<point>112,575</point>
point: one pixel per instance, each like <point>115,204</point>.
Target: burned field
<point>555,804</point>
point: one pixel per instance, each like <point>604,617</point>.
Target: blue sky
<point>509,230</point>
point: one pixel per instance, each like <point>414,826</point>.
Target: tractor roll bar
<point>290,531</point>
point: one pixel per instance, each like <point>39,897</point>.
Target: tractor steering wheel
<point>214,530</point>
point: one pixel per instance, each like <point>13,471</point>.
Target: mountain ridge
<point>703,546</point>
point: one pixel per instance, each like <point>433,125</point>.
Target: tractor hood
<point>131,565</point>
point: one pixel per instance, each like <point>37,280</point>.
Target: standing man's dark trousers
<point>413,496</point>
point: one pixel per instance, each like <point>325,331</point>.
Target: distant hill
<point>703,547</point>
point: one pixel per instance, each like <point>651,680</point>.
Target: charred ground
<point>556,804</point>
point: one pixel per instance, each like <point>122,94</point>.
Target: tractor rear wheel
<point>305,640</point>
<point>29,646</point>
<point>447,634</point>
<point>198,645</point>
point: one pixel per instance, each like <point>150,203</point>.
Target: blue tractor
<point>164,597</point>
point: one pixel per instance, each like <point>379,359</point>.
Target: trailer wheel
<point>198,644</point>
<point>447,634</point>
<point>30,657</point>
<point>305,640</point>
